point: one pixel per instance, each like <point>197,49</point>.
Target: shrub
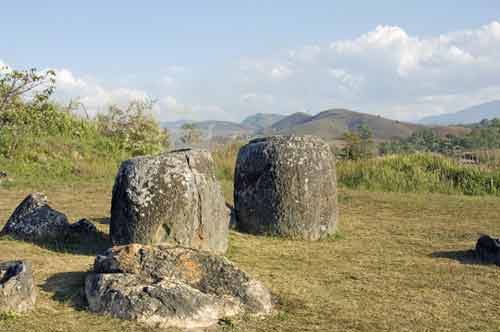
<point>134,129</point>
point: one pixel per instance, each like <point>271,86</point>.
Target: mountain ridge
<point>469,115</point>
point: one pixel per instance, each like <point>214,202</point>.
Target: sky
<point>225,60</point>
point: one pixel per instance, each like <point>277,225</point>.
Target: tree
<point>191,134</point>
<point>134,128</point>
<point>16,85</point>
<point>359,144</point>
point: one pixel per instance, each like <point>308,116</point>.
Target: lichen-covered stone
<point>35,220</point>
<point>17,290</point>
<point>172,286</point>
<point>170,198</point>
<point>286,186</point>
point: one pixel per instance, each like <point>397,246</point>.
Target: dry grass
<point>401,263</point>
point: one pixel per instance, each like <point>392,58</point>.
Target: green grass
<point>402,263</point>
<point>418,173</point>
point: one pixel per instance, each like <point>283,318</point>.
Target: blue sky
<point>229,59</point>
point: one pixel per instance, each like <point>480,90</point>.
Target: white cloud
<point>66,80</point>
<point>386,71</point>
<point>281,72</point>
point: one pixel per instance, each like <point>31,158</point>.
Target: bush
<point>134,129</point>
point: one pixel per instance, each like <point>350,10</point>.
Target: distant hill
<point>332,124</point>
<point>262,120</point>
<point>223,128</point>
<point>329,125</point>
<point>469,115</point>
<point>173,124</point>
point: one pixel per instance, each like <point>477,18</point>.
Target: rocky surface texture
<point>35,220</point>
<point>172,286</point>
<point>170,198</point>
<point>83,227</point>
<point>17,290</point>
<point>488,249</point>
<point>286,186</point>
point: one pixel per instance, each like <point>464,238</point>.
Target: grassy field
<point>401,262</point>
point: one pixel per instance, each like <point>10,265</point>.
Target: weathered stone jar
<point>286,186</point>
<point>170,198</point>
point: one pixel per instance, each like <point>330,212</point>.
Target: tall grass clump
<point>417,173</point>
<point>225,160</point>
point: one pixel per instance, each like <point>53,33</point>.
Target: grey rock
<point>286,186</point>
<point>171,286</point>
<point>83,227</point>
<point>35,220</point>
<point>170,198</point>
<point>17,290</point>
<point>488,249</point>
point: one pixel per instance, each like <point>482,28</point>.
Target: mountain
<point>332,124</point>
<point>174,124</point>
<point>211,129</point>
<point>469,115</point>
<point>262,120</point>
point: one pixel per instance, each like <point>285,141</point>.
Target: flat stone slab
<point>172,286</point>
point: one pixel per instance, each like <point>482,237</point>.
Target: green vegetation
<point>191,135</point>
<point>485,135</point>
<point>225,161</point>
<point>42,142</point>
<point>417,173</point>
<point>359,144</point>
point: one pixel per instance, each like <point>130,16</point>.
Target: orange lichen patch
<point>189,269</point>
<point>127,256</point>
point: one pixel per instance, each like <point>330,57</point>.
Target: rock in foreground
<point>17,291</point>
<point>286,186</point>
<point>35,220</point>
<point>488,249</point>
<point>171,286</point>
<point>170,198</point>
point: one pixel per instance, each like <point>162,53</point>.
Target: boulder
<point>17,290</point>
<point>170,198</point>
<point>488,249</point>
<point>286,186</point>
<point>83,227</point>
<point>35,220</point>
<point>171,286</point>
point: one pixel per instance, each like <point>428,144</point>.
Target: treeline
<point>485,135</point>
<point>360,143</point>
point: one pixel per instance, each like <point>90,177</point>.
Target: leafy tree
<point>17,85</point>
<point>191,134</point>
<point>359,144</point>
<point>134,128</point>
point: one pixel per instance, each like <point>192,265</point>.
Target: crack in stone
<point>199,230</point>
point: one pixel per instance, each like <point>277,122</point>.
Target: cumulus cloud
<point>66,80</point>
<point>384,71</point>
